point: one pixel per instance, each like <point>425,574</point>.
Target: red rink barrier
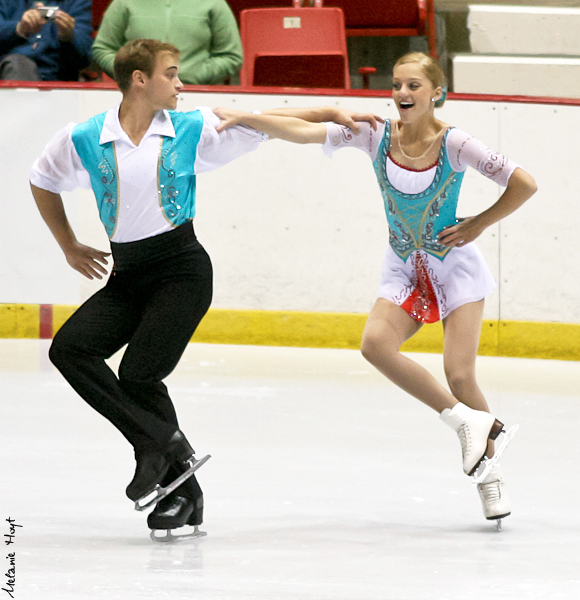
<point>274,91</point>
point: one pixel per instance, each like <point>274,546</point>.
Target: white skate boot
<point>494,499</point>
<point>474,428</point>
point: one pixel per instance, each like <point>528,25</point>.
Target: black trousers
<point>157,294</point>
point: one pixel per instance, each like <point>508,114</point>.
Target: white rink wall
<point>289,229</point>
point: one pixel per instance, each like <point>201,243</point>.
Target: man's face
<point>164,85</point>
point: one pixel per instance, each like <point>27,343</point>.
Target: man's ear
<point>138,78</point>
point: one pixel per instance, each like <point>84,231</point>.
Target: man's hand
<point>87,261</point>
<point>84,259</point>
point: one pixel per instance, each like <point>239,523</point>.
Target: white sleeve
<point>339,136</point>
<point>465,151</point>
<point>59,168</point>
<point>217,149</point>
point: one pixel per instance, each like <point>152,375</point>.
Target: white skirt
<point>429,288</point>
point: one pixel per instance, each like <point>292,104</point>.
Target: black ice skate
<point>155,495</point>
<point>176,512</point>
<point>153,466</point>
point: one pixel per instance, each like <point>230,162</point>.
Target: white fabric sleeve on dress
<point>339,136</point>
<point>465,151</point>
<point>217,149</point>
<point>59,168</point>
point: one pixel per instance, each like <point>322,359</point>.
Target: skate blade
<point>487,464</point>
<point>171,538</point>
<point>162,492</point>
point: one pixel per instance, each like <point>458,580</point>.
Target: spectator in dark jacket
<point>38,43</point>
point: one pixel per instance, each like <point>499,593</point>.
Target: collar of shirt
<point>112,130</point>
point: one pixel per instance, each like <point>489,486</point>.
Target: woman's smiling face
<point>413,91</point>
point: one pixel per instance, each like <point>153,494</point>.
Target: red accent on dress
<point>421,304</point>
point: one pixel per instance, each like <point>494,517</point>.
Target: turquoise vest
<point>416,219</point>
<point>175,168</point>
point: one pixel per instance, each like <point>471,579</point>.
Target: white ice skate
<point>474,428</point>
<point>170,537</point>
<point>161,492</point>
<point>494,499</point>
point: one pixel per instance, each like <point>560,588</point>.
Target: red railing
<point>275,91</point>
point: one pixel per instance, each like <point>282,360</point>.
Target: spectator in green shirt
<point>205,31</point>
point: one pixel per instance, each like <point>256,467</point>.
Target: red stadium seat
<point>387,18</point>
<point>99,8</point>
<point>93,71</point>
<point>294,47</point>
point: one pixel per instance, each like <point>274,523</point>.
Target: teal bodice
<point>175,168</point>
<point>415,220</point>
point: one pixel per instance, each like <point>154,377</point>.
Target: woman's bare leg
<point>462,332</point>
<point>387,327</point>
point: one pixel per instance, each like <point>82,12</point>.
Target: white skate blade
<point>161,492</point>
<point>487,464</point>
<point>170,537</point>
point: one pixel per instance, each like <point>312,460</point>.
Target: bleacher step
<point>524,30</point>
<point>517,75</point>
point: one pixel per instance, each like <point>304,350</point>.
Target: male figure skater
<point>141,162</point>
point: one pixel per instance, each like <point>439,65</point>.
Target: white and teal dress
<point>419,274</point>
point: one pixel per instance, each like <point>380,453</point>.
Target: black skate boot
<point>182,507</point>
<point>176,511</point>
<point>153,466</point>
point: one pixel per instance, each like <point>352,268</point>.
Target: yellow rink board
<point>329,330</point>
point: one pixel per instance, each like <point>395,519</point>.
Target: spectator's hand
<point>65,25</point>
<point>87,261</point>
<point>348,118</point>
<point>31,22</point>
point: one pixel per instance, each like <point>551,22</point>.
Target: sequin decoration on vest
<point>176,174</point>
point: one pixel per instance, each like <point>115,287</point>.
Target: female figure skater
<point>431,271</point>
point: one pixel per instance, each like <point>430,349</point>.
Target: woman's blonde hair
<point>431,68</point>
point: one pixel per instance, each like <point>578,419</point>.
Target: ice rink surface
<point>325,483</point>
